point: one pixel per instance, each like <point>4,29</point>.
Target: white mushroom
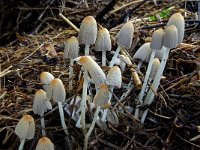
<point>45,79</point>
<point>44,143</point>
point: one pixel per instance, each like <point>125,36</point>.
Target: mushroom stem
<point>150,95</point>
<point>21,144</point>
<point>43,125</point>
<point>103,58</point>
<point>87,49</point>
<point>71,73</point>
<point>139,64</point>
<point>141,95</point>
<point>115,56</point>
<point>91,127</point>
<point>83,101</point>
<point>62,118</point>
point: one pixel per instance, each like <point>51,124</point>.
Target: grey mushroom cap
<point>157,40</point>
<point>143,53</point>
<point>71,48</point>
<point>125,35</point>
<point>154,68</point>
<point>88,31</point>
<point>44,144</point>
<point>103,42</point>
<point>25,128</point>
<point>45,78</point>
<point>114,77</point>
<point>41,104</point>
<point>56,90</point>
<point>178,20</point>
<point>170,37</point>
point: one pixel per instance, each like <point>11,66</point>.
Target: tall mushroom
<point>156,44</point>
<point>124,39</point>
<point>101,100</point>
<point>40,105</point>
<point>44,143</point>
<point>88,32</point>
<point>170,41</point>
<point>103,43</point>
<point>25,129</point>
<point>45,79</point>
<point>71,51</point>
<point>97,75</point>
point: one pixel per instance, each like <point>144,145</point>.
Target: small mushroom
<point>124,39</point>
<point>45,79</point>
<point>25,129</point>
<point>71,51</point>
<point>101,100</point>
<point>103,43</point>
<point>88,32</point>
<point>44,143</point>
<point>40,105</point>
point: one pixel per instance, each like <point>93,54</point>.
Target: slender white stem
<point>115,56</point>
<point>43,125</point>
<point>144,115</point>
<point>139,64</point>
<point>87,49</point>
<point>71,73</point>
<point>91,127</point>
<point>21,144</point>
<point>150,95</point>
<point>78,125</point>
<point>103,58</point>
<point>62,118</point>
<point>83,101</point>
<point>141,95</point>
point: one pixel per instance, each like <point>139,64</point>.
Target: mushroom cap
<point>44,143</point>
<point>71,48</point>
<point>114,77</point>
<point>143,53</point>
<point>41,104</point>
<point>157,39</point>
<point>95,71</point>
<point>103,42</point>
<point>154,68</point>
<point>125,35</point>
<point>45,79</point>
<point>56,91</point>
<point>170,37</point>
<point>102,97</point>
<point>25,128</point>
<point>178,20</point>
<point>88,31</point>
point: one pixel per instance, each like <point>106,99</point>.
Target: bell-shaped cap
<point>25,128</point>
<point>45,79</point>
<point>88,31</point>
<point>143,53</point>
<point>95,71</point>
<point>44,143</point>
<point>114,77</point>
<point>157,40</point>
<point>125,35</point>
<point>102,97</point>
<point>71,48</point>
<point>178,20</point>
<point>170,37</point>
<point>103,42</point>
<point>56,90</point>
<point>154,68</point>
<point>41,104</point>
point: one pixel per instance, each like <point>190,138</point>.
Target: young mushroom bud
<point>45,79</point>
<point>44,143</point>
<point>124,39</point>
<point>103,43</point>
<point>25,129</point>
<point>88,32</point>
